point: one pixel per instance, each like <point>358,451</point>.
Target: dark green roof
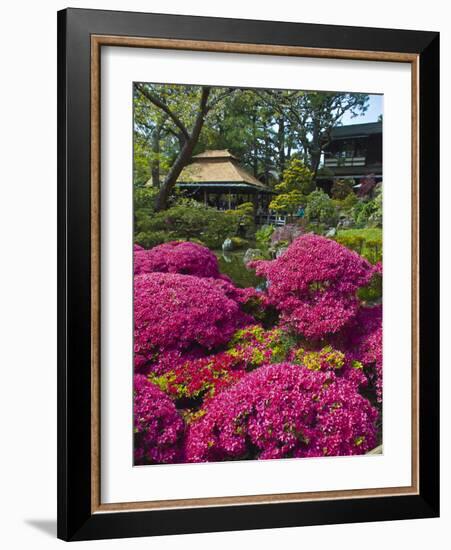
<point>356,130</point>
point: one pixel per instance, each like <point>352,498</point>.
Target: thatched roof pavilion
<point>216,178</point>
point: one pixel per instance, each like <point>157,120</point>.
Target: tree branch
<point>164,107</point>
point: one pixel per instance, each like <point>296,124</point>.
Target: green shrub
<point>263,236</point>
<point>144,197</point>
<point>297,182</point>
<point>150,239</point>
<point>367,242</point>
<point>368,212</point>
<point>203,224</point>
<point>346,205</point>
<point>243,215</point>
<point>320,208</point>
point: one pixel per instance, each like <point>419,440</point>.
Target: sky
<point>374,110</point>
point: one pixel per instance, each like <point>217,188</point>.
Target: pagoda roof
<point>218,167</point>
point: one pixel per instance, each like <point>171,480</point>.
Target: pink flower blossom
<point>158,427</point>
<point>314,284</point>
<point>283,410</point>
<point>362,340</point>
<point>186,258</point>
<point>181,313</point>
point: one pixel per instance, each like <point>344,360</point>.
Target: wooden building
<point>217,179</point>
<point>354,151</point>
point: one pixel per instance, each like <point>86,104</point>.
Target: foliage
<point>347,204</point>
<point>144,198</point>
<point>181,222</point>
<point>243,216</point>
<point>297,177</point>
<point>263,235</point>
<point>254,346</point>
<point>283,410</point>
<point>192,383</point>
<point>328,359</point>
<point>375,218</point>
<point>177,257</point>
<point>297,181</point>
<point>310,116</point>
<point>314,284</point>
<point>341,189</point>
<point>287,202</point>
<point>158,427</point>
<point>320,208</point>
<point>368,213</point>
<point>182,313</point>
<point>366,242</point>
<point>148,239</point>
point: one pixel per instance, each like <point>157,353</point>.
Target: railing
<point>271,219</point>
<point>334,162</point>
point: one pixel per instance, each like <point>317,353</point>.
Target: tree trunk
<point>155,164</point>
<point>184,156</point>
<point>254,147</point>
<point>281,144</point>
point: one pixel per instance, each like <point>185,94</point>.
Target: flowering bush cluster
<point>281,411</point>
<point>158,427</point>
<point>186,258</point>
<point>253,346</point>
<point>363,341</point>
<point>181,313</point>
<point>199,378</point>
<point>344,365</point>
<point>314,284</point>
<point>226,373</point>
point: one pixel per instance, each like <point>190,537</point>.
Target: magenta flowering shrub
<point>158,427</point>
<point>182,257</point>
<point>192,383</point>
<point>314,284</point>
<point>253,346</point>
<point>283,410</point>
<point>328,359</point>
<point>181,313</point>
<point>363,341</point>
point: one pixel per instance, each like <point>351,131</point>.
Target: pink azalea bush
<point>253,346</point>
<point>328,359</point>
<point>362,340</point>
<point>158,427</point>
<point>186,258</point>
<point>193,383</point>
<point>314,284</point>
<point>227,373</point>
<point>181,313</point>
<point>283,410</point>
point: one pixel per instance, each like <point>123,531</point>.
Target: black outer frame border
<point>75,521</point>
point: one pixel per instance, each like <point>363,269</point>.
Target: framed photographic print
<point>248,274</point>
